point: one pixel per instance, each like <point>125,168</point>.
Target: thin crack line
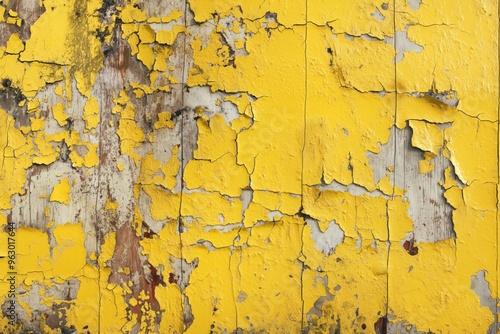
<point>179,219</point>
<point>394,162</point>
<point>498,171</point>
<point>302,324</point>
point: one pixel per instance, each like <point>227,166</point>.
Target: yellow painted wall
<point>249,166</point>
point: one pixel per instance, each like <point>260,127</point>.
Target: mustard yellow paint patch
<point>37,124</point>
<point>465,153</point>
<point>146,55</point>
<point>15,161</point>
<point>154,172</point>
<point>161,63</point>
<point>59,114</point>
<point>164,205</point>
<point>426,166</point>
<point>426,136</point>
<point>172,16</point>
<point>91,114</point>
<point>111,205</point>
<point>131,136</point>
<point>133,41</point>
<point>164,121</point>
<point>168,36</point>
<point>223,175</point>
<point>131,13</point>
<point>215,139</point>
<point>61,192</point>
<point>289,13</point>
<point>146,34</point>
<point>69,44</point>
<point>33,105</point>
<point>14,44</point>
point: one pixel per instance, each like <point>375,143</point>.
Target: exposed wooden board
<point>123,69</point>
<point>159,8</point>
<point>429,211</point>
<point>29,11</point>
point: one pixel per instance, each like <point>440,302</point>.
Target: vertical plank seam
<point>302,323</point>
<point>179,219</point>
<point>498,160</point>
<point>97,232</point>
<point>394,134</point>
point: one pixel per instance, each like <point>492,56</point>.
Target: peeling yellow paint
<point>61,192</point>
<point>16,159</point>
<point>426,136</point>
<point>164,205</point>
<point>59,115</point>
<point>130,134</point>
<point>273,186</point>
<point>14,44</point>
<point>91,114</point>
<point>164,121</point>
<point>425,165</point>
<point>110,205</point>
<point>212,175</point>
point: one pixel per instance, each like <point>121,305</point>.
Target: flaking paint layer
<point>244,167</point>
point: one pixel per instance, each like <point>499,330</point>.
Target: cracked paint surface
<point>242,167</point>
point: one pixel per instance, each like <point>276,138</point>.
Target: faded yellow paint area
<point>242,166</point>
